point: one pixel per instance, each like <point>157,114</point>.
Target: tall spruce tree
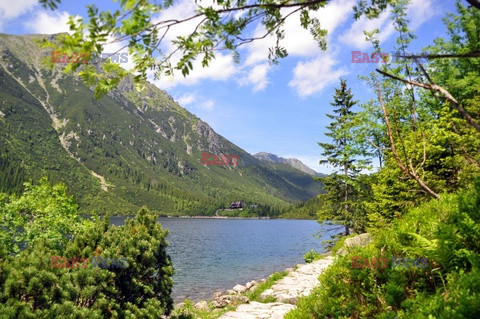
<point>344,153</point>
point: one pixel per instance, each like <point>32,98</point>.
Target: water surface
<point>216,254</point>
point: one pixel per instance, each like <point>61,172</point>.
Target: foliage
<point>427,147</point>
<point>188,311</point>
<point>42,212</point>
<point>305,210</point>
<point>344,153</point>
<point>31,287</point>
<point>271,280</point>
<point>141,27</point>
<point>424,144</point>
<point>446,232</point>
<point>312,255</point>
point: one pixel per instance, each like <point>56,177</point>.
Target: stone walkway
<point>286,291</point>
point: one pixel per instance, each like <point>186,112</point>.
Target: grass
<point>188,311</point>
<point>255,295</point>
<point>312,256</point>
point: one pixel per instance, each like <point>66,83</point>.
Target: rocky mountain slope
<point>124,150</point>
<point>293,162</point>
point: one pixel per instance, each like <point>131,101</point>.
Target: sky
<point>280,109</point>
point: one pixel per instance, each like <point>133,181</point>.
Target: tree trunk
<point>347,232</point>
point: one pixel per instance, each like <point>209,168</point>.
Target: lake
<point>216,254</point>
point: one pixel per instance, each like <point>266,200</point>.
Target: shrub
<point>32,288</point>
<point>43,211</point>
<point>445,231</point>
<point>311,256</point>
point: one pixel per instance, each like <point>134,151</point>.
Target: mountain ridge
<point>122,151</point>
<point>295,163</point>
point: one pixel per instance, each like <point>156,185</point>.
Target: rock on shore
<point>286,291</point>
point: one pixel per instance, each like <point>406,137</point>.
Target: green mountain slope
<point>124,150</point>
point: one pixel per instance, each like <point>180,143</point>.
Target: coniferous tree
<point>344,154</point>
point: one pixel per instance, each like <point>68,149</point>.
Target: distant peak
<point>293,162</point>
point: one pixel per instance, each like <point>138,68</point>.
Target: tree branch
<point>439,56</point>
<point>410,172</point>
<point>444,92</point>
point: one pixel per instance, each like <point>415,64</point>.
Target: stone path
<point>258,310</point>
<point>286,291</point>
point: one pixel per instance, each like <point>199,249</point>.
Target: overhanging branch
<point>448,96</point>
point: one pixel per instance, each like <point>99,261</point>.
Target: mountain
<point>293,162</point>
<point>125,150</point>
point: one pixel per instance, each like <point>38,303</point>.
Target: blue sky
<point>261,107</point>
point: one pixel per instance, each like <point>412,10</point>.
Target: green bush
<point>31,288</point>
<point>43,211</point>
<point>311,256</point>
<point>447,232</point>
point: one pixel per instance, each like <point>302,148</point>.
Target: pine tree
<point>345,155</point>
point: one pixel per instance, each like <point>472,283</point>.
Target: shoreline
<point>270,297</point>
<point>240,289</point>
<point>227,217</point>
<point>215,217</point>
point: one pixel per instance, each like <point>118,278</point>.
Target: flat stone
<point>298,283</point>
<point>250,284</point>
<point>257,310</point>
<point>239,289</point>
<point>221,302</point>
<point>179,305</point>
<point>202,305</point>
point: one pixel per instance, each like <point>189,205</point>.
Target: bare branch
<point>376,146</point>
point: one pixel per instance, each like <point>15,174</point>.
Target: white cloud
<point>48,23</point>
<point>208,105</point>
<point>355,37</point>
<point>421,11</point>
<point>257,76</point>
<point>418,12</point>
<point>220,69</point>
<point>298,41</point>
<point>11,9</point>
<point>121,48</point>
<point>314,75</point>
<point>255,70</point>
<point>186,99</point>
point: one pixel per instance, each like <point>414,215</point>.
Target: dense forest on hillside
<point>125,150</point>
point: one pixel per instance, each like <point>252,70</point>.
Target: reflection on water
<point>216,254</point>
